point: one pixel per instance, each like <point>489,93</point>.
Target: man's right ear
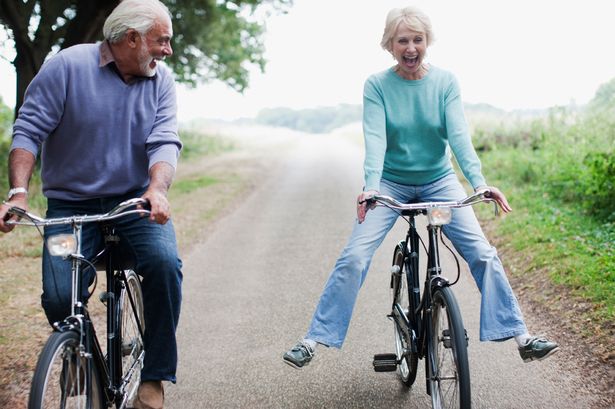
<point>132,37</point>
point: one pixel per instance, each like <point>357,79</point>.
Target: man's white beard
<point>144,60</point>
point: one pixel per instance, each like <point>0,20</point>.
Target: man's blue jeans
<point>500,316</point>
<point>153,248</point>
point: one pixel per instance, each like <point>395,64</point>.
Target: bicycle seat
<point>413,212</point>
<point>124,260</point>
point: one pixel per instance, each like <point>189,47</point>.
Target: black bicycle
<point>72,371</point>
<point>428,324</point>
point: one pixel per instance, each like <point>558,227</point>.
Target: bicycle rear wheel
<point>131,319</point>
<point>408,361</point>
<point>448,368</point>
<point>60,376</point>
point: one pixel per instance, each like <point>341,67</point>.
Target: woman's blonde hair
<point>413,18</point>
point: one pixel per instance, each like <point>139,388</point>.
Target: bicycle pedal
<point>385,362</point>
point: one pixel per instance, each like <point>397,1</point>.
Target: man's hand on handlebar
<point>160,207</point>
<point>20,201</point>
<point>495,194</point>
<point>363,206</point>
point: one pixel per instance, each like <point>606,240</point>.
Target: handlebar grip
<point>17,211</point>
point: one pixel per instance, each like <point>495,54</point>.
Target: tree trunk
<point>27,63</point>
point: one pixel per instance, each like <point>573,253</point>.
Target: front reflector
<point>439,215</point>
<point>62,245</point>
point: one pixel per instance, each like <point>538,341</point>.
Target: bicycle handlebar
<point>117,212</point>
<point>383,200</point>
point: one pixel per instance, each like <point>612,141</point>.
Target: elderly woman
<point>412,115</point>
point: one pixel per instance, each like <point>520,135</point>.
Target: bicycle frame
<point>417,320</point>
<point>109,368</point>
<point>432,326</point>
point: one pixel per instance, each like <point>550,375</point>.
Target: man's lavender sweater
<point>99,135</point>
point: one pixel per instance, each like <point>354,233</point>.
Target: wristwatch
<point>15,191</point>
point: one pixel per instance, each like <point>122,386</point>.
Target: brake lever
<point>17,211</point>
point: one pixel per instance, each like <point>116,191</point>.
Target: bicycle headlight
<point>62,245</point>
<point>439,215</point>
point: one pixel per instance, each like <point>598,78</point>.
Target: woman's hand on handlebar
<point>362,205</point>
<point>495,194</point>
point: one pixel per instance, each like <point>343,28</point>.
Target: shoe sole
<point>292,364</point>
<point>548,354</point>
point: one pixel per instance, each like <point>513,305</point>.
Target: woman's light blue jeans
<point>500,316</point>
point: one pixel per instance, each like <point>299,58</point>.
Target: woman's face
<point>409,48</point>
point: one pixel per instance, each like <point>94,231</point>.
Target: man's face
<point>155,46</point>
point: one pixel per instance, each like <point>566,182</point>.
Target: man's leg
<point>155,251</point>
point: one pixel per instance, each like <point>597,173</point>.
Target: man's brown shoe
<point>149,396</point>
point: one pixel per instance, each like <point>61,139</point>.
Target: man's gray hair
<point>139,15</point>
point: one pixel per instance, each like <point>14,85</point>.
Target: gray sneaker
<point>537,348</point>
<point>299,355</point>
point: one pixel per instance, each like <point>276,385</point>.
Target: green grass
<point>185,186</point>
<point>575,250</point>
<point>197,144</point>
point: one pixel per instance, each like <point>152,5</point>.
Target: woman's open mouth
<point>410,61</point>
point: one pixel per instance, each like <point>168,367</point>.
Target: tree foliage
<point>214,39</point>
<point>5,119</point>
<point>605,96</point>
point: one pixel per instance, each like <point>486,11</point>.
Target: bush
<point>567,153</point>
<point>598,184</point>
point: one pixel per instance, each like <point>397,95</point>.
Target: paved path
<point>250,289</point>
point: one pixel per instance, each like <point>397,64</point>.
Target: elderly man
<point>104,119</point>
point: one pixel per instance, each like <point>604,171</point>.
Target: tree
<point>212,38</point>
<point>604,97</point>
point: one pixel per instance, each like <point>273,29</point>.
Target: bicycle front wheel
<point>408,361</point>
<point>132,326</point>
<point>448,368</point>
<point>60,378</point>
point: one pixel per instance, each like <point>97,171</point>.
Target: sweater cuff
<point>372,182</point>
<point>23,142</point>
<point>165,153</point>
<point>478,181</point>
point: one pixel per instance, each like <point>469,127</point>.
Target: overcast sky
<point>511,54</point>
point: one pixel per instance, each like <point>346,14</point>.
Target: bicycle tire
<point>59,381</point>
<point>408,360</point>
<point>448,367</point>
<point>132,340</point>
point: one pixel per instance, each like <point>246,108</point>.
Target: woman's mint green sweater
<point>409,126</point>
